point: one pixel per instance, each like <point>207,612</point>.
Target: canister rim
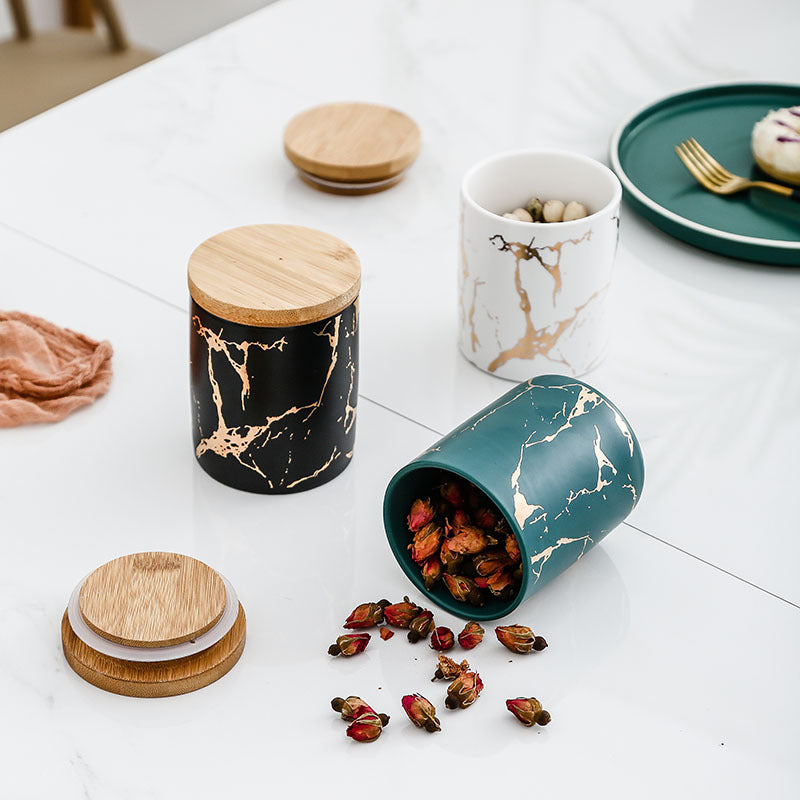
<point>274,275</point>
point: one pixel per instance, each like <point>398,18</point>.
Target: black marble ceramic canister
<point>274,356</point>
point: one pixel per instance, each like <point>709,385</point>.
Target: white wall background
<point>158,25</point>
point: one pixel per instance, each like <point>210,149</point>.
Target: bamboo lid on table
<point>352,148</point>
<point>274,276</point>
<point>153,625</point>
<point>152,599</point>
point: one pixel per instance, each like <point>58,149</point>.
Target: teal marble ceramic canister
<point>559,461</point>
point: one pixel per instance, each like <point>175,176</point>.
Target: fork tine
<point>710,180</point>
<point>706,157</point>
<point>689,163</point>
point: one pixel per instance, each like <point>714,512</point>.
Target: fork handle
<point>792,194</point>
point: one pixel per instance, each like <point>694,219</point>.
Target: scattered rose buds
<point>501,583</point>
<point>421,712</point>
<point>528,710</point>
<point>471,636</point>
<point>426,542</point>
<point>420,626</point>
<point>386,633</point>
<point>512,548</point>
<point>351,644</point>
<point>461,534</point>
<point>490,562</point>
<point>463,589</point>
<point>399,615</point>
<point>468,540</point>
<point>464,690</point>
<point>353,707</point>
<point>431,571</point>
<point>451,560</point>
<point>366,728</point>
<point>365,616</point>
<point>447,669</point>
<point>420,515</point>
<point>453,493</point>
<point>442,639</point>
<point>519,638</point>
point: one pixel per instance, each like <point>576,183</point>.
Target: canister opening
<point>417,480</point>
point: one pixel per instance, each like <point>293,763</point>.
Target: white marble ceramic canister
<point>534,295</point>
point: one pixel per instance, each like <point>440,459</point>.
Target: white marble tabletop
<point>674,645</point>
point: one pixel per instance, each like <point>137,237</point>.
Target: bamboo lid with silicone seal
<point>352,148</point>
<point>153,624</point>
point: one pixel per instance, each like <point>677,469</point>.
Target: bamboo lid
<point>152,599</point>
<point>352,143</point>
<point>153,625</point>
<point>274,276</point>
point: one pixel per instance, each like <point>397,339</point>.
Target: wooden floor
<point>49,68</point>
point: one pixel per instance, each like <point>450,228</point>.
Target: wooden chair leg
<point>78,13</point>
<point>21,22</point>
<point>109,14</point>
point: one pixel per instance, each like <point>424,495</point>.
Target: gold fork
<point>714,177</point>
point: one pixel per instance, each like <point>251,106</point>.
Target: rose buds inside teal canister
<point>557,465</point>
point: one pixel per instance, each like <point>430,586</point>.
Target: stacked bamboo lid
<point>153,625</point>
<point>352,148</point>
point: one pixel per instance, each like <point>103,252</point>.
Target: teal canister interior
<point>558,460</point>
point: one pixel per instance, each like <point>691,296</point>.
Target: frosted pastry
<point>776,144</point>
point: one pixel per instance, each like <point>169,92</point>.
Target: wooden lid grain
<point>274,275</point>
<point>152,599</point>
<point>352,142</point>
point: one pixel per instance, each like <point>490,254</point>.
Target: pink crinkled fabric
<point>47,372</point>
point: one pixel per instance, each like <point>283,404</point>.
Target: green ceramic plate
<point>754,225</point>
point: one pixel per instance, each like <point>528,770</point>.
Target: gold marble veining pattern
<point>241,442</point>
<point>523,510</point>
<point>538,560</point>
<point>603,462</point>
<point>538,341</point>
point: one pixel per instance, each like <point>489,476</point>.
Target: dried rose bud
<point>502,528</point>
<point>426,542</point>
<point>431,570</point>
<point>451,560</point>
<point>448,669</point>
<point>365,616</point>
<point>471,636</point>
<point>491,561</point>
<point>453,493</point>
<point>539,643</point>
<point>386,634</point>
<point>420,626</point>
<point>512,548</point>
<point>485,518</point>
<point>517,638</point>
<point>420,515</point>
<point>399,615</point>
<point>464,690</point>
<point>460,518</point>
<point>351,644</point>
<point>475,498</point>
<point>463,589</point>
<point>501,582</point>
<point>421,712</point>
<point>442,507</point>
<point>543,718</point>
<point>528,710</point>
<point>469,539</point>
<point>365,728</point>
<point>442,639</point>
<point>351,707</point>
